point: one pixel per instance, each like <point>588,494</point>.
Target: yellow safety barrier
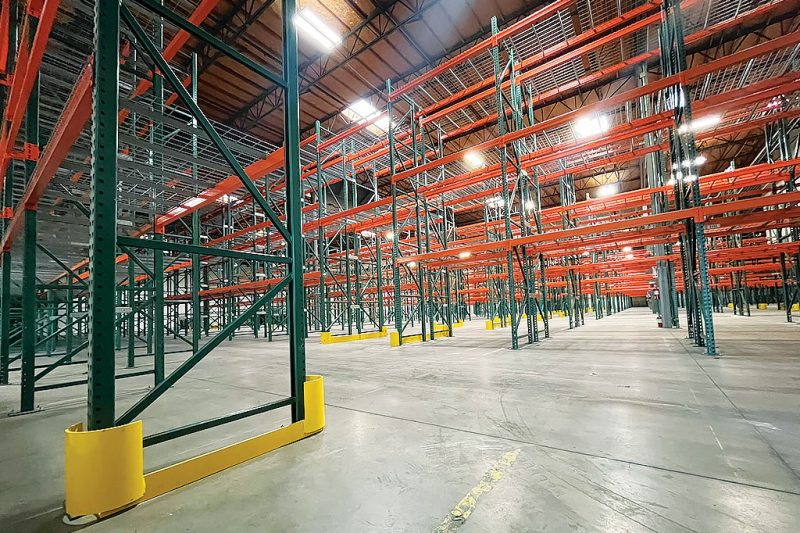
<point>730,306</point>
<point>455,324</point>
<point>762,306</point>
<point>326,337</point>
<point>439,332</point>
<point>105,468</point>
<point>796,307</point>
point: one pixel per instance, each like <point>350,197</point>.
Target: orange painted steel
<point>484,46</point>
<point>26,70</point>
<point>76,114</point>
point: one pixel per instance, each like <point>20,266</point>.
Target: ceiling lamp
<point>698,161</point>
<point>362,111</point>
<point>474,159</point>
<point>591,126</point>
<point>608,189</point>
<point>313,27</point>
<point>700,124</point>
<point>496,201</point>
<point>464,255</point>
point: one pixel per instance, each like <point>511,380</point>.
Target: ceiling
<point>381,40</point>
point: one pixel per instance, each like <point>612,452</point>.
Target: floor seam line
<point>739,411</point>
<point>565,450</point>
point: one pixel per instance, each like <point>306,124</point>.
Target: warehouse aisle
<point>615,426</point>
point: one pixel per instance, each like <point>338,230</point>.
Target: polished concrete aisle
<point>616,426</point>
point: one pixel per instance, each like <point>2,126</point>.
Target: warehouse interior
<point>400,265</point>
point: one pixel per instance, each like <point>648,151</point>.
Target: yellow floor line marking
<point>463,509</point>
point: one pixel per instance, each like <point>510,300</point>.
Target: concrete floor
<point>616,426</point>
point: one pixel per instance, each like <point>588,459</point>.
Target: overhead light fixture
<point>412,264</point>
<point>362,111</point>
<point>689,178</point>
<point>586,253</point>
<point>627,249</point>
<point>529,205</point>
<point>591,126</point>
<point>227,199</point>
<point>671,181</point>
<point>629,256</point>
<point>464,255</point>
<point>323,35</point>
<point>608,189</point>
<point>474,159</point>
<point>700,124</point>
<point>389,235</point>
<point>495,201</point>
<point>698,161</point>
<point>367,233</point>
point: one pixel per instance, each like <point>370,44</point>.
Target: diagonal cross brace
<point>202,120</point>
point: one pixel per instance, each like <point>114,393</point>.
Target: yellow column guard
<point>105,468</point>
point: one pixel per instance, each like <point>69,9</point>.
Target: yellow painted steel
<point>314,393</point>
<point>762,306</point>
<point>439,332</point>
<point>326,337</point>
<point>196,468</point>
<point>489,325</point>
<point>796,307</point>
<point>455,325</point>
<point>730,306</point>
<point>103,468</point>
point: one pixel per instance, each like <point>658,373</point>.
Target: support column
<point>294,205</point>
<point>102,216</point>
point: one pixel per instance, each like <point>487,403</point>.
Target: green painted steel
<point>294,207</point>
<point>131,316</point>
<point>103,222</point>
<point>503,153</point>
<point>682,148</point>
<point>196,226</point>
<point>162,387</point>
<point>398,304</point>
<point>29,303</point>
<point>29,296</point>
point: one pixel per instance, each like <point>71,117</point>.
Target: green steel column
<point>348,291</point>
<point>683,114</point>
<point>102,216</point>
<point>29,258</point>
<point>5,286</point>
<point>398,304</point>
<point>28,355</point>
<point>131,315</point>
<point>157,135</point>
<point>196,229</point>
<point>294,204</point>
<point>379,274</point>
<point>70,326</point>
<point>512,302</point>
<point>322,250</point>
